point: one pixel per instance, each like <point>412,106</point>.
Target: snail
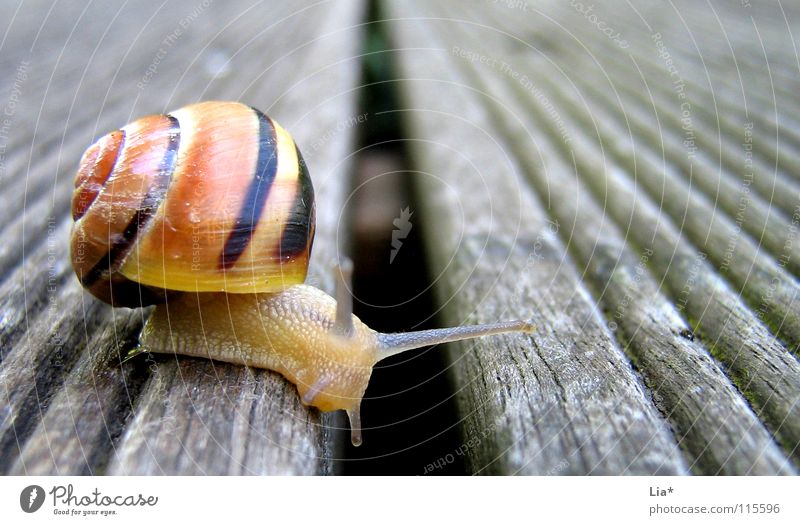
<point>208,212</point>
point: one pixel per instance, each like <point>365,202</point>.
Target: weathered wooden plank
<point>725,171</point>
<point>768,288</point>
<point>753,79</point>
<point>31,290</point>
<point>763,370</point>
<point>90,405</point>
<point>713,422</point>
<point>565,401</point>
<point>273,432</point>
<point>767,225</point>
<point>727,79</point>
<point>35,365</point>
<point>762,88</point>
<point>715,132</point>
<point>764,283</point>
<point>727,44</point>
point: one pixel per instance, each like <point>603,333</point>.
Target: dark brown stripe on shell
<point>257,194</point>
<point>298,232</point>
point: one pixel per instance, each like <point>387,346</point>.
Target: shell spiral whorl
<point>212,197</point>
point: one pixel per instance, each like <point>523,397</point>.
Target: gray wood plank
<point>762,369</point>
<point>730,176</point>
<point>566,399</point>
<point>92,403</point>
<point>715,131</point>
<point>713,422</point>
<point>764,282</point>
<point>766,224</point>
<point>745,79</point>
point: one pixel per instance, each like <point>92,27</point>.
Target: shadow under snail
<point>215,198</point>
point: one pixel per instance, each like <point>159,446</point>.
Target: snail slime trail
<point>409,417</point>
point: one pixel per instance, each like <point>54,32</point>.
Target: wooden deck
<point>629,178</point>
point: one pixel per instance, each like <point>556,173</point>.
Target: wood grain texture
<point>713,422</point>
<point>740,81</point>
<point>762,281</point>
<point>657,291</point>
<point>70,407</point>
<point>759,364</point>
<point>753,213</point>
<point>565,400</point>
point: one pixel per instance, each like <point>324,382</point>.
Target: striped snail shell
<point>212,197</point>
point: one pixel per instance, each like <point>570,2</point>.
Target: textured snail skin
<point>291,332</point>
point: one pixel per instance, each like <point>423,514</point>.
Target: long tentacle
<point>391,344</point>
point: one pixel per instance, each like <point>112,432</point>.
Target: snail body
<point>209,213</point>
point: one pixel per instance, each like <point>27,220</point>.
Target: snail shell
<point>212,197</point>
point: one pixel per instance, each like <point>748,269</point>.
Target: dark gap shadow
<point>409,422</point>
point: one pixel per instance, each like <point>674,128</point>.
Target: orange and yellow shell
<point>213,197</point>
